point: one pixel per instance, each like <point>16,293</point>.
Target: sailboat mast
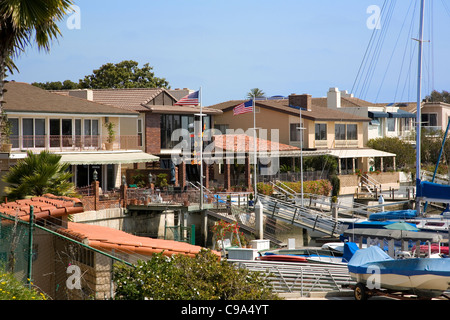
<point>419,98</point>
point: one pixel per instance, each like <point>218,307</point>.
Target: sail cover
<point>431,191</point>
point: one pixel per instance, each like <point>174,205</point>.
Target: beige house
<point>76,129</point>
<point>327,128</point>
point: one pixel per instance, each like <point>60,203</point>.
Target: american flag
<point>190,99</point>
<point>243,108</point>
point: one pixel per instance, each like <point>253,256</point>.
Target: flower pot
<point>109,145</point>
<point>6,147</point>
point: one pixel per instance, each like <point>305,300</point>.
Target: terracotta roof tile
<point>104,238</point>
<point>44,206</point>
<point>244,143</point>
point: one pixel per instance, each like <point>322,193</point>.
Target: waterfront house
<point>77,130</point>
<point>158,117</point>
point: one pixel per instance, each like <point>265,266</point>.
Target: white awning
<point>107,157</point>
<point>360,153</point>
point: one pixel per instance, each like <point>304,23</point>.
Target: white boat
<point>424,277</point>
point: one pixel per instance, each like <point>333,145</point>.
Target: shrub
<point>179,277</point>
<point>13,289</point>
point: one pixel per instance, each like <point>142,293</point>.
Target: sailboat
<point>424,277</point>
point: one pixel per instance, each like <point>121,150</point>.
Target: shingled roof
<point>24,97</point>
<point>317,112</point>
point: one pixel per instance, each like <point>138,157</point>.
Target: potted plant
<point>111,135</point>
<point>250,200</point>
<point>6,131</point>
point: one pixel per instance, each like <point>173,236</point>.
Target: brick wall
<point>152,133</point>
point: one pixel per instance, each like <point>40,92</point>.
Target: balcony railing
<point>74,142</point>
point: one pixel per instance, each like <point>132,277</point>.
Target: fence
<point>301,278</point>
<point>59,267</point>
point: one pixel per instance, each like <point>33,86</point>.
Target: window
<point>339,131</point>
<point>429,119</point>
<point>321,131</point>
<point>14,132</point>
<point>139,132</point>
<point>33,133</point>
<point>294,132</point>
<point>352,132</point>
<point>346,131</point>
<point>391,124</point>
<point>170,123</point>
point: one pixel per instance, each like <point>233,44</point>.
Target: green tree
<point>405,152</point>
<point>23,22</point>
<point>125,74</point>
<point>436,96</point>
<point>57,85</point>
<point>180,277</point>
<point>38,174</point>
<point>255,92</point>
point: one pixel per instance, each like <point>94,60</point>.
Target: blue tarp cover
<point>368,255</point>
<point>349,249</point>
<point>433,190</point>
<point>392,215</point>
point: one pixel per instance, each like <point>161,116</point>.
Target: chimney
<point>300,100</point>
<point>87,94</point>
<point>334,98</point>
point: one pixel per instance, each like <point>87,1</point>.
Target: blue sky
<point>229,47</point>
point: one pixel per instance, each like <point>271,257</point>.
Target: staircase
<point>300,216</point>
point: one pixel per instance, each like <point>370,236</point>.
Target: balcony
<point>74,142</point>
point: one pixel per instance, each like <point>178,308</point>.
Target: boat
<point>282,258</point>
<point>372,268</point>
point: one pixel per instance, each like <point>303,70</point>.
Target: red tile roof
<point>245,143</point>
<point>99,237</point>
<point>107,239</point>
<point>44,206</point>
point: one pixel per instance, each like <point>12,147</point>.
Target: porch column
<point>247,169</point>
<point>226,176</point>
<point>381,164</point>
<point>353,165</point>
<point>339,165</point>
<point>394,164</point>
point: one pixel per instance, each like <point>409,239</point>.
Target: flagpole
<point>254,146</point>
<point>201,148</point>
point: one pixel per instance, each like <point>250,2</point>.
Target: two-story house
<point>74,128</point>
<point>158,117</point>
<point>328,127</point>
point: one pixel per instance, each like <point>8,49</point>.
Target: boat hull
<point>423,277</point>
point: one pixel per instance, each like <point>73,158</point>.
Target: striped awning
<point>107,157</point>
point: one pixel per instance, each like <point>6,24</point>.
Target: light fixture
<point>95,175</point>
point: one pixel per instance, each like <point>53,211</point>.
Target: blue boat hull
<point>424,277</point>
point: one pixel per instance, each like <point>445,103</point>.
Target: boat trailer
<point>362,292</point>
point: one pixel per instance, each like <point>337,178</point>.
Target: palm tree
<point>255,93</point>
<point>38,174</point>
<point>23,22</point>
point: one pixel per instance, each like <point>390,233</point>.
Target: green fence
<point>59,267</point>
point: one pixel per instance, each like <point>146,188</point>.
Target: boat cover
<point>349,249</point>
<point>434,191</point>
<point>392,215</point>
<point>364,256</point>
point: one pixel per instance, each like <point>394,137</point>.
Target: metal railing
<point>74,142</point>
<point>303,278</point>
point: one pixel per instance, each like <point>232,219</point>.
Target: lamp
<point>95,175</point>
<point>150,178</point>
<point>124,180</point>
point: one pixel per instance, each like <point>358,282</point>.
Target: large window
<point>295,134</point>
<point>171,122</point>
<point>321,131</point>
<point>346,131</point>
